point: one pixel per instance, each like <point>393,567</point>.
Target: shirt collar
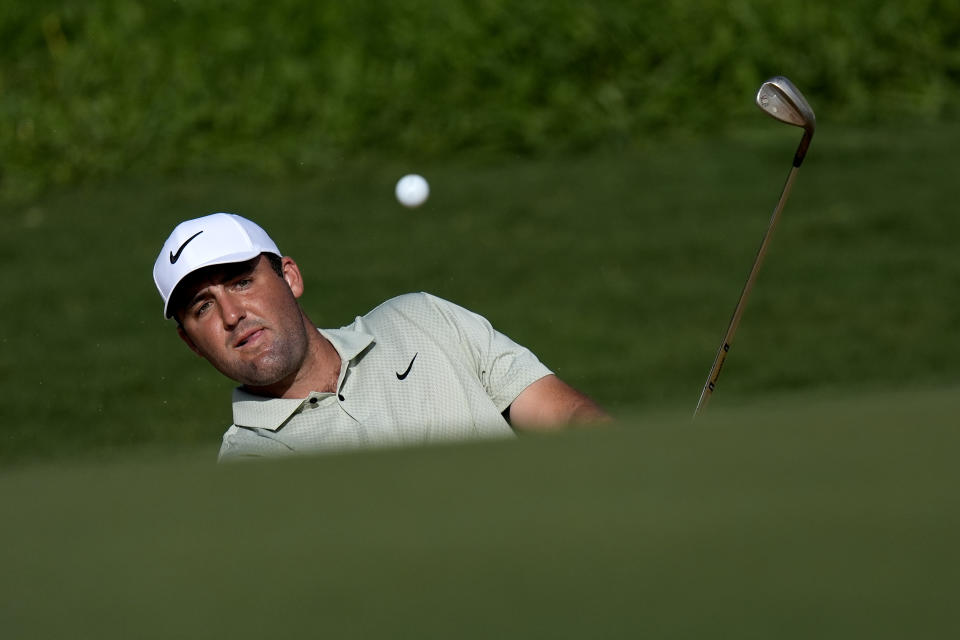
<point>262,412</point>
<point>348,342</point>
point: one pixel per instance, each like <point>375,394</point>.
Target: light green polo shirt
<point>415,370</point>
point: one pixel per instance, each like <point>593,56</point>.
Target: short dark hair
<point>276,262</point>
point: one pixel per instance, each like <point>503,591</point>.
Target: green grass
<point>814,498</point>
<point>619,269</point>
<point>814,515</point>
<point>96,89</point>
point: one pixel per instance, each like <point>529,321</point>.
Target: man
<point>416,369</point>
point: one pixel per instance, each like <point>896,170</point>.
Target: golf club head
<point>782,100</point>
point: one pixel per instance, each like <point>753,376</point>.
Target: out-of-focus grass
<point>620,270</point>
<point>809,516</point>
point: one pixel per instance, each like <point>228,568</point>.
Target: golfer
<point>415,370</point>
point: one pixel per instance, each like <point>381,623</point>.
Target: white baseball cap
<point>219,238</point>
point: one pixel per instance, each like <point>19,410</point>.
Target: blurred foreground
<point>817,517</point>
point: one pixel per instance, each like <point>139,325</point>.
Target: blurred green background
<point>600,183</point>
<point>102,89</point>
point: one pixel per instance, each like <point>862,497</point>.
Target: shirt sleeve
<point>504,367</point>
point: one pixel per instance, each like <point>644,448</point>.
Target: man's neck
<point>320,371</point>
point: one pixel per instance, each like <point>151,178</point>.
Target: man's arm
<point>550,403</point>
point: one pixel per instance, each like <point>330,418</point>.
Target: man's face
<point>245,320</point>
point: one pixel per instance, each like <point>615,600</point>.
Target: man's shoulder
<point>412,299</point>
<point>412,306</point>
<point>419,311</point>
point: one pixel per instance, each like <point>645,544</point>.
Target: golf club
<point>779,98</point>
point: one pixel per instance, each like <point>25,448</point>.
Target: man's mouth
<point>249,337</point>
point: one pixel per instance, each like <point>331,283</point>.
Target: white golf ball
<point>412,190</point>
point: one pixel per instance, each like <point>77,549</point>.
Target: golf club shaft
<point>724,349</point>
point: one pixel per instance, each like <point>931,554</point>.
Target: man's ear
<point>291,273</point>
<point>183,336</point>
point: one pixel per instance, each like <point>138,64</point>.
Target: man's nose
<point>231,310</point>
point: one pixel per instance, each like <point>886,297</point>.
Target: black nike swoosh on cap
<point>176,256</point>
<point>401,376</point>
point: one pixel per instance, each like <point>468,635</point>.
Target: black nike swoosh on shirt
<point>176,256</point>
<point>401,376</point>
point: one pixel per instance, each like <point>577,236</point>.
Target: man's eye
<point>202,307</point>
<point>243,283</point>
